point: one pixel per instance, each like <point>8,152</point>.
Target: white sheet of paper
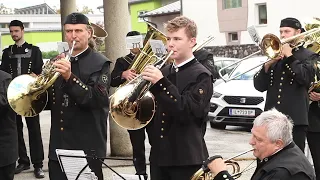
<point>254,34</point>
<point>126,176</point>
<point>73,165</point>
<point>157,47</point>
<point>134,42</point>
<point>63,47</point>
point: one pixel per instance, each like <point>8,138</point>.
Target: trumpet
<point>204,173</point>
<point>271,46</point>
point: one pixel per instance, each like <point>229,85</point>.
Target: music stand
<point>79,154</point>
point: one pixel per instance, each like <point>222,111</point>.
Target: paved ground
<point>223,142</point>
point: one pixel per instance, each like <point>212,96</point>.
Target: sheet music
<point>126,176</point>
<point>134,42</point>
<point>73,165</point>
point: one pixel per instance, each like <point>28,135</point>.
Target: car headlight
<point>216,95</point>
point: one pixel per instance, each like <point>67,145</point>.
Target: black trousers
<point>137,138</point>
<point>7,172</point>
<point>35,142</point>
<point>172,172</point>
<point>314,145</point>
<point>55,172</point>
<point>299,136</point>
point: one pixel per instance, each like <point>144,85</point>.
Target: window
<point>141,19</point>
<point>233,37</point>
<point>227,4</point>
<point>262,13</point>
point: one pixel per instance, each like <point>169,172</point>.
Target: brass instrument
<point>98,32</point>
<point>204,173</point>
<point>27,95</point>
<point>132,106</point>
<point>142,59</point>
<point>271,46</point>
<point>204,43</point>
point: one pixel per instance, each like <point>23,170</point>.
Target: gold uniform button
<point>162,129</point>
<point>61,120</point>
<point>161,136</point>
<point>162,122</point>
<point>164,88</point>
<point>290,82</point>
<point>168,93</point>
<point>171,97</point>
<point>280,84</point>
<point>163,114</point>
<point>280,90</point>
<point>281,78</point>
<point>279,96</point>
<point>77,81</point>
<point>61,112</point>
<point>278,102</point>
<point>61,129</point>
<point>283,72</point>
<point>175,100</point>
<point>74,79</point>
<point>160,84</point>
<point>80,84</point>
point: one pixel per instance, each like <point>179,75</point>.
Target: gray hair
<point>278,125</point>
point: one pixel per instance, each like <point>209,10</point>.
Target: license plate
<point>242,112</point>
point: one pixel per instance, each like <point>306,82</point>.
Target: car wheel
<point>217,126</point>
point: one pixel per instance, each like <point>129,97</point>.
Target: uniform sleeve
<point>261,80</point>
<point>4,62</point>
<point>192,104</point>
<point>94,94</point>
<point>3,91</point>
<point>37,61</point>
<point>116,74</point>
<point>223,175</point>
<point>301,71</point>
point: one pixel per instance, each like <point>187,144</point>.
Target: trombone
<point>204,173</point>
<point>271,46</point>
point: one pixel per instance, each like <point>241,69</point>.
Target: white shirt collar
<point>183,63</point>
<point>20,44</point>
<point>80,52</point>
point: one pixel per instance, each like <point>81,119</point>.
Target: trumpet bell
<point>271,46</point>
<point>22,99</point>
<point>131,115</point>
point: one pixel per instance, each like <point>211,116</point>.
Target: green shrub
<point>49,54</point>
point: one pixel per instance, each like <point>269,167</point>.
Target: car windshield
<point>245,66</point>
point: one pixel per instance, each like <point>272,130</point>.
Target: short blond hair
<point>182,22</point>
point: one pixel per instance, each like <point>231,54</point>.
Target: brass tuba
<point>132,106</point>
<point>204,174</point>
<point>27,95</point>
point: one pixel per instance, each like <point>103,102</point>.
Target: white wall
<point>204,13</point>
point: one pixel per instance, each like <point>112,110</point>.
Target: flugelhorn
<point>204,173</point>
<point>27,95</point>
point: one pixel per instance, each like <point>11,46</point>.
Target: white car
<point>237,102</point>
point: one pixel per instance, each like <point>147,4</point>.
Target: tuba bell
<point>27,95</point>
<point>132,106</point>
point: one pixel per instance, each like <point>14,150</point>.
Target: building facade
<point>227,20</point>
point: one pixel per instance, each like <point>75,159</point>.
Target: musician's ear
<point>279,144</point>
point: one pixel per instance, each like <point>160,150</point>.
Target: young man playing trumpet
<point>278,156</point>
<point>182,92</point>
<point>287,79</point>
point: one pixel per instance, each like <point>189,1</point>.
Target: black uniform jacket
<point>314,113</point>
<point>8,127</point>
<point>287,84</point>
<point>288,164</point>
<point>122,64</point>
<point>182,104</point>
<point>31,60</point>
<point>79,107</point>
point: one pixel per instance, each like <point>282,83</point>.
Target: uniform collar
<point>80,55</point>
<point>183,63</point>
